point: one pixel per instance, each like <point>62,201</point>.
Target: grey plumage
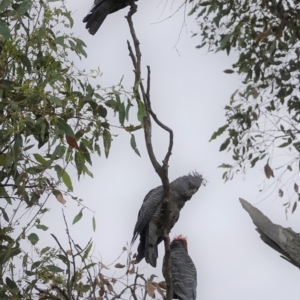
<point>183,271</point>
<point>150,218</point>
<point>283,240</point>
<point>99,12</point>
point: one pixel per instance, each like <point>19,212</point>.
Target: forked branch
<point>161,170</point>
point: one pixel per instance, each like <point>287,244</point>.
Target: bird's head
<point>180,240</point>
<point>187,186</point>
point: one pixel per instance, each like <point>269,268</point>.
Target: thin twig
<point>134,285</point>
<point>148,82</point>
<point>73,279</point>
<point>83,260</point>
<point>60,246</point>
<point>46,292</point>
<point>5,148</point>
<point>131,54</point>
<point>116,259</point>
<point>82,250</point>
<point>53,287</point>
<point>15,186</point>
<point>63,293</point>
<point>121,293</point>
<point>67,261</point>
<point>170,16</point>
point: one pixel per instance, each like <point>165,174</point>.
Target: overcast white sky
<point>188,93</point>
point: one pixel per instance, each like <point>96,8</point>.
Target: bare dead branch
<point>136,59</point>
<point>166,128</point>
<point>145,295</point>
<point>161,170</point>
<point>133,289</point>
<point>131,54</point>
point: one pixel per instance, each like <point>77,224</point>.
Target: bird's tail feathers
<point>94,24</point>
<point>91,11</point>
<point>139,256</point>
<point>134,238</point>
<point>95,17</point>
<point>151,255</point>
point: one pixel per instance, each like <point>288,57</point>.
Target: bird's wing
<point>283,240</point>
<point>117,5</point>
<point>97,15</point>
<point>185,276</point>
<point>92,9</point>
<point>120,5</point>
<point>149,206</point>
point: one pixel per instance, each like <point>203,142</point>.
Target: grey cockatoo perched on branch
<point>99,12</point>
<point>183,270</point>
<point>151,216</point>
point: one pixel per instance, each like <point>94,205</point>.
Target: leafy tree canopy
<point>262,117</point>
<point>51,119</point>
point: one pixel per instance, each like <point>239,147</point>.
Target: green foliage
<point>262,117</point>
<point>133,145</point>
<point>76,274</point>
<point>44,100</point>
<point>94,223</point>
<point>51,119</point>
<point>56,273</point>
<point>78,217</point>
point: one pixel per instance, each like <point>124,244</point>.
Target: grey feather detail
<point>155,197</point>
<point>150,218</point>
<point>149,206</point>
<point>97,15</point>
<point>99,12</point>
<point>183,272</point>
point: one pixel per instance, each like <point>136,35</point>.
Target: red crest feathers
<point>181,238</point>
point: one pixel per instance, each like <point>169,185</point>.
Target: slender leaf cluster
<point>262,117</point>
<point>51,121</point>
